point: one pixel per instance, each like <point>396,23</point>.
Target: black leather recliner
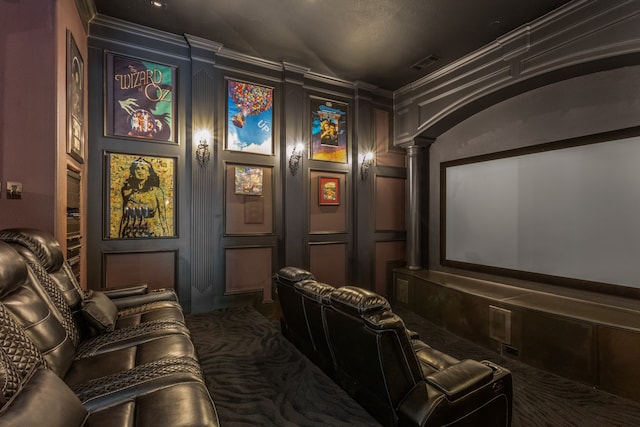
<point>394,375</point>
<point>150,383</point>
<point>315,298</point>
<point>290,303</point>
<point>135,304</point>
<point>81,313</point>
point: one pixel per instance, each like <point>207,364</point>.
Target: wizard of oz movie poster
<point>249,118</point>
<point>328,131</point>
<point>140,99</point>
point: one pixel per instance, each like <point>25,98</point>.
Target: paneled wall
<point>230,238</point>
<point>130,73</point>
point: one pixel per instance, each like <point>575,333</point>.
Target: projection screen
<point>571,212</point>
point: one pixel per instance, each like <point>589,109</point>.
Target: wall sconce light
<point>367,161</point>
<point>158,4</point>
<point>202,151</point>
<point>294,159</point>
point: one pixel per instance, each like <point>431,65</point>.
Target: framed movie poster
<point>328,130</point>
<point>249,118</point>
<point>248,181</point>
<point>140,99</point>
<point>75,100</point>
<point>141,196</point>
<point>329,191</point>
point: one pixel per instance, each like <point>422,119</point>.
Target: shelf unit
<point>74,234</point>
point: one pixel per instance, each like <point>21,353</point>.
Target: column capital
<point>423,141</point>
<point>418,142</point>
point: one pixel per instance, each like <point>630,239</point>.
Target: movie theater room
<point>320,213</point>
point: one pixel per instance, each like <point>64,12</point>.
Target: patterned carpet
<point>257,378</point>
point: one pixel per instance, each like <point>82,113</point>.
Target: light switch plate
<point>14,190</point>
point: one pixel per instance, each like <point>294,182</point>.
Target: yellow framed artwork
<point>141,196</point>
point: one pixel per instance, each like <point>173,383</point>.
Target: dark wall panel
<point>387,254</point>
<point>249,270</point>
<point>390,203</point>
<point>618,356</point>
<point>328,263</point>
<point>563,346</point>
<point>249,214</point>
<point>386,153</point>
<point>322,218</point>
<point>156,269</point>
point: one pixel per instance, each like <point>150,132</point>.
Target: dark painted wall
<point>33,119</point>
<point>28,113</point>
<point>220,258</point>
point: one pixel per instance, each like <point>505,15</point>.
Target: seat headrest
<point>292,275</point>
<point>358,300</point>
<point>317,291</point>
<point>13,270</point>
<point>384,319</point>
<point>42,244</point>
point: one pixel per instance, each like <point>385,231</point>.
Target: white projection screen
<point>571,212</point>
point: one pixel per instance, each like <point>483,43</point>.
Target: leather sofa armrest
<point>126,292</point>
<point>459,379</point>
<point>153,296</point>
<point>44,400</point>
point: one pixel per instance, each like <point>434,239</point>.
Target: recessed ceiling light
<point>158,4</point>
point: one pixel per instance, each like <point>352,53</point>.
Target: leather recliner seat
<point>315,298</point>
<point>157,382</point>
<point>52,288</point>
<point>394,375</point>
<point>135,304</point>
<point>290,303</point>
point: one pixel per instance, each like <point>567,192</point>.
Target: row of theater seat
<point>74,358</point>
<point>353,335</point>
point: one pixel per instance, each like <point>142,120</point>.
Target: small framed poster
<point>140,99</point>
<point>248,181</point>
<point>75,100</point>
<point>328,130</point>
<point>329,191</point>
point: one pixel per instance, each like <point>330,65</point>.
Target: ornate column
<point>417,189</point>
<point>206,179</point>
<point>296,207</point>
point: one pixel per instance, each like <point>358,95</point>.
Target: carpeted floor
<point>257,378</point>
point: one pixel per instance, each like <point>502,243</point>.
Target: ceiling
<point>373,41</point>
